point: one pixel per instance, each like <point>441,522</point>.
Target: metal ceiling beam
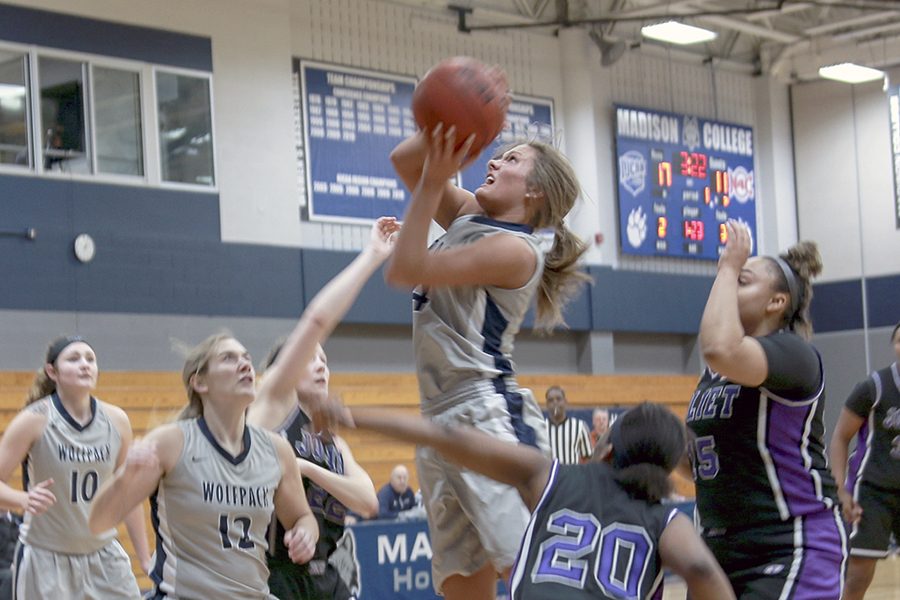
<point>852,22</point>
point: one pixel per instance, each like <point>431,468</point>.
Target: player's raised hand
<point>443,161</point>
<point>301,544</point>
<point>382,236</point>
<point>39,498</point>
<point>737,248</point>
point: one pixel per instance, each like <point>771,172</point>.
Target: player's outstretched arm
<point>354,488</point>
<point>682,551</point>
<point>523,467</point>
<point>316,323</point>
<point>291,507</point>
<point>136,478</point>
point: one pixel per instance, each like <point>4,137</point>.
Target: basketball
<point>463,92</point>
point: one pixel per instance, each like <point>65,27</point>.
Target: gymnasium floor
<point>886,585</point>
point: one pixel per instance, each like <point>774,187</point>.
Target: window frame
<point>29,112</point>
<point>150,142</point>
<point>180,185</point>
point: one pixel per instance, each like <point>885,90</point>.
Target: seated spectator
<point>396,496</point>
<point>569,440</point>
<point>600,419</point>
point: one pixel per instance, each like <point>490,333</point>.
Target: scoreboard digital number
<point>680,178</point>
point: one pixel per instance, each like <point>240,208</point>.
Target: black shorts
<point>871,536</point>
<point>799,559</point>
<point>289,581</point>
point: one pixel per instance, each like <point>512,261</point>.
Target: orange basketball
<point>464,92</point>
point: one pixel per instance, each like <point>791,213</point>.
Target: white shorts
<point>474,520</point>
<point>106,574</point>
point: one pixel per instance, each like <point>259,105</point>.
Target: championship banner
<point>352,119</point>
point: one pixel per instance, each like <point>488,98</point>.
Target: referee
<point>569,439</point>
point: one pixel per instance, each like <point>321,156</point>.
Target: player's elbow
<point>368,509</point>
<point>400,275</point>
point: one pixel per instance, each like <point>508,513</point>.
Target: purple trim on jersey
<point>786,429</point>
<point>823,557</point>
<point>854,468</point>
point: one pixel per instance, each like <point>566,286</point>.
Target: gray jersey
<point>79,459</point>
<point>463,333</point>
<point>210,514</point>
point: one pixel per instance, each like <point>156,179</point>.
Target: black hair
<point>894,332</point>
<point>648,441</point>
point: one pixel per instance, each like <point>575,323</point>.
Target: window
<point>63,137</point>
<point>185,128</point>
<point>14,146</point>
<point>117,121</point>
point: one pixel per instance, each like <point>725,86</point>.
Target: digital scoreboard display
<point>680,178</point>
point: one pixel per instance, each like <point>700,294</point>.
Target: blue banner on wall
<point>528,118</point>
<point>680,178</point>
<point>352,119</point>
<point>894,105</point>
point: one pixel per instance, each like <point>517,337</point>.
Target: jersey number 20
<point>621,561</point>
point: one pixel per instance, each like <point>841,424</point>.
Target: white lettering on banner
<point>521,108</point>
<point>726,138</point>
<point>396,551</point>
<point>647,126</point>
<point>405,579</point>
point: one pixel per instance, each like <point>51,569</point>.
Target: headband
<point>61,344</point>
<point>792,282</point>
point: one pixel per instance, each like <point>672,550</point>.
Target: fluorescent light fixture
<point>10,90</point>
<point>850,73</point>
<point>678,33</point>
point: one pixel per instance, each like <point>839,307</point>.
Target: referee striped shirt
<point>569,441</point>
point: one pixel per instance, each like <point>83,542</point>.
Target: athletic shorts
<point>106,573</point>
<point>290,581</point>
<point>871,535</point>
<point>799,559</point>
<point>472,519</point>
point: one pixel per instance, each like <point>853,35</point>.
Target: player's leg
<point>869,539</point>
<point>860,572</point>
<point>481,585</point>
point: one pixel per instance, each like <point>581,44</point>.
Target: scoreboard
<point>680,178</point>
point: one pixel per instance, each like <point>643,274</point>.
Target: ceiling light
<point>850,73</point>
<point>10,90</point>
<point>678,33</point>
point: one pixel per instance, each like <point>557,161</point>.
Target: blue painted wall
<point>67,32</point>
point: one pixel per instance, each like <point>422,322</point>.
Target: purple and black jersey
<point>759,453</point>
<point>876,459</point>
<point>328,510</point>
<point>589,539</point>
